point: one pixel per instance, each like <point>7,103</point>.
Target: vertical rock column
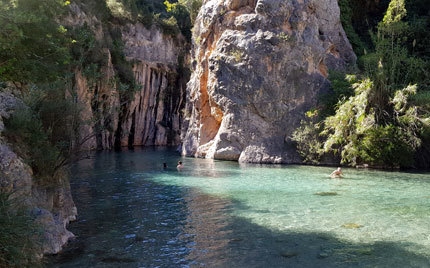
<point>100,104</point>
<point>150,116</point>
<point>257,67</point>
<point>153,117</point>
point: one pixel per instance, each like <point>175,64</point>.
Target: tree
<point>355,132</point>
<point>378,124</point>
<point>33,45</point>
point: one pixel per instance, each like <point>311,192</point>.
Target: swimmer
<point>164,165</point>
<point>337,173</point>
<point>179,166</point>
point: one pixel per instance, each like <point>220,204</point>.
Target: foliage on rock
<point>309,141</point>
<point>43,131</point>
<point>33,46</point>
<point>18,235</point>
<point>382,123</point>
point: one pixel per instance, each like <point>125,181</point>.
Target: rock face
<point>53,207</point>
<point>257,67</point>
<point>148,116</point>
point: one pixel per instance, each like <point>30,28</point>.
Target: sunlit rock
<point>257,67</point>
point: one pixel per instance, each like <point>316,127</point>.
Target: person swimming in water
<point>180,166</point>
<point>337,173</point>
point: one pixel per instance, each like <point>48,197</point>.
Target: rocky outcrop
<point>257,67</point>
<point>150,115</point>
<point>52,207</point>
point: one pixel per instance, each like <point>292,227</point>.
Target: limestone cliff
<point>150,115</point>
<point>52,207</point>
<point>258,65</point>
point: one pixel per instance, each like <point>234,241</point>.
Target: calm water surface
<point>132,213</point>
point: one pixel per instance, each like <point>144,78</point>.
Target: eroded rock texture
<point>257,67</point>
<point>53,207</point>
<point>149,116</point>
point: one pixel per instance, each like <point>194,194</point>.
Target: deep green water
<point>132,213</point>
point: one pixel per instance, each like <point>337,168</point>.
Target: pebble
<point>289,254</point>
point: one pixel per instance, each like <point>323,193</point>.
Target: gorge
<point>234,87</point>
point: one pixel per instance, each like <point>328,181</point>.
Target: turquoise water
<point>132,213</point>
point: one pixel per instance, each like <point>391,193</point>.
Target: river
<point>134,213</point>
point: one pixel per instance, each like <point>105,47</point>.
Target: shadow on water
<point>137,222</point>
<point>208,236</point>
<point>258,246</point>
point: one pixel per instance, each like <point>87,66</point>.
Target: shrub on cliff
<point>309,142</point>
<point>18,235</point>
<point>43,131</point>
<point>355,132</point>
<point>180,17</point>
<point>380,124</point>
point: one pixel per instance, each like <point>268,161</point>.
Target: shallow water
<point>132,213</point>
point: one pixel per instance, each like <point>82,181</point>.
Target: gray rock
<point>153,115</point>
<point>258,66</point>
<point>289,254</point>
<point>53,207</point>
<point>323,255</point>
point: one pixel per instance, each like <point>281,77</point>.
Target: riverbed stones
<point>326,193</point>
<point>289,254</point>
<point>257,67</point>
<point>323,255</point>
<point>352,226</point>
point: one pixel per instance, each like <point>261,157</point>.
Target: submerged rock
<point>323,255</point>
<point>257,67</point>
<point>289,254</point>
<point>352,226</point>
<point>326,193</point>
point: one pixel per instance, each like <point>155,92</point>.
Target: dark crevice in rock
<point>132,129</point>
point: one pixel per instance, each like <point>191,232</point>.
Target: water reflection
<point>132,213</point>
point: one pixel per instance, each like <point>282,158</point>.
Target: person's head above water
<point>179,163</point>
<point>164,165</point>
<point>339,169</point>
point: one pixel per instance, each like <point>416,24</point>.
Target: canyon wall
<point>258,65</point>
<point>51,206</point>
<point>147,115</point>
<point>113,114</point>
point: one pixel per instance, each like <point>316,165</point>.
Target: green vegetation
<point>309,141</point>
<point>172,17</point>
<point>18,234</point>
<point>342,90</point>
<point>237,54</point>
<point>284,37</point>
<point>37,57</point>
<point>38,60</point>
<point>346,17</point>
<point>31,42</point>
<point>43,131</point>
<point>376,119</point>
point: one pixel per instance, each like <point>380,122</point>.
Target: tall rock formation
<point>258,65</point>
<point>52,207</point>
<point>150,115</point>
